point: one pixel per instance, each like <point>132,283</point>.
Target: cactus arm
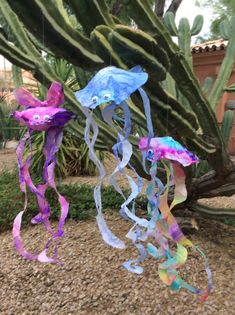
<point>91,13</point>
<point>99,40</point>
<point>60,36</point>
<point>169,22</point>
<point>17,76</point>
<point>16,28</point>
<point>166,98</point>
<point>213,212</point>
<point>197,25</point>
<point>144,40</point>
<point>184,39</point>
<point>227,125</point>
<point>225,29</point>
<point>15,55</point>
<point>63,12</point>
<point>226,68</point>
<point>134,54</point>
<point>207,85</point>
<point>169,85</point>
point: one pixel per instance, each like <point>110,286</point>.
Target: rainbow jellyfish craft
<point>49,117</point>
<point>163,225</point>
<point>113,86</point>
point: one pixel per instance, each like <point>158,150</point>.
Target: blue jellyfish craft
<point>113,86</point>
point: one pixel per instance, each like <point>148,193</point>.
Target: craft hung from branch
<point>162,225</point>
<point>113,86</point>
<point>49,117</point>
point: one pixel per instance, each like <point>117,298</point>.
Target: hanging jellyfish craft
<point>49,117</point>
<point>113,86</point>
<point>163,225</point>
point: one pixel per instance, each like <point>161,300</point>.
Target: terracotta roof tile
<point>213,45</point>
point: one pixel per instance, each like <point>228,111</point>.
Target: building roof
<point>210,46</point>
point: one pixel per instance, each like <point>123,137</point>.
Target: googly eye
<point>107,96</point>
<point>94,99</point>
<point>46,117</point>
<point>36,117</point>
<point>150,154</point>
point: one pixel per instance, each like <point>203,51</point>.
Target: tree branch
<point>159,7</point>
<point>174,6</point>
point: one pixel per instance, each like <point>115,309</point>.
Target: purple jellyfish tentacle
<point>19,154</point>
<point>106,233</point>
<point>53,142</point>
<point>25,180</point>
<point>17,240</point>
<point>40,195</point>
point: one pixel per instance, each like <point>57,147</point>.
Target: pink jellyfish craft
<point>49,117</point>
<point>163,225</point>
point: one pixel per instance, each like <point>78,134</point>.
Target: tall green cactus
<point>45,25</point>
<point>184,32</point>
<point>227,30</point>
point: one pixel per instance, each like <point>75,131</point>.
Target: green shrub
<point>12,200</point>
<point>80,197</point>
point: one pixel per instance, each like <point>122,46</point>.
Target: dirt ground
<point>92,280</point>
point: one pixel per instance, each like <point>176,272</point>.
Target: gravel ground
<point>92,280</point>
